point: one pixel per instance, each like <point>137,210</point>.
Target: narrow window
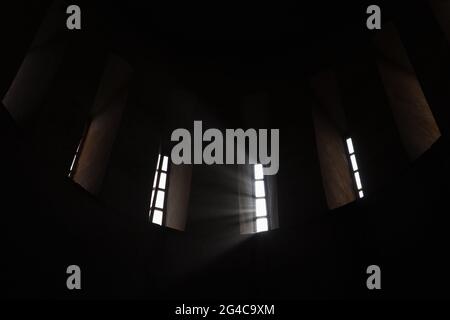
<point>159,188</point>
<point>261,218</point>
<point>355,169</point>
<point>74,161</point>
<point>76,157</point>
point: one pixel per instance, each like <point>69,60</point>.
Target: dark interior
<point>231,67</point>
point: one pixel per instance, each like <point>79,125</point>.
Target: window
<point>74,160</point>
<point>76,157</point>
<point>159,188</point>
<point>355,169</point>
<point>257,199</point>
<point>261,218</point>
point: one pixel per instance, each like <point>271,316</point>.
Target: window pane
<point>361,194</point>
<point>261,210</point>
<point>159,199</point>
<point>259,189</point>
<point>350,146</point>
<point>157,164</point>
<point>164,163</point>
<point>354,164</point>
<point>151,199</point>
<point>157,217</point>
<point>73,162</point>
<point>261,225</point>
<point>162,180</point>
<point>358,181</point>
<point>77,153</point>
<point>154,180</point>
<point>259,173</point>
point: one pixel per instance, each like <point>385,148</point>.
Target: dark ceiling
<point>308,33</point>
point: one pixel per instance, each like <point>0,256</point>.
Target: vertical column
<point>299,176</point>
<point>182,103</point>
<point>330,129</point>
<point>107,111</point>
<point>371,125</point>
<point>415,121</point>
<point>178,196</point>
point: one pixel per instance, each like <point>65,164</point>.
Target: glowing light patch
<point>261,209</point>
<point>157,164</point>
<point>261,225</point>
<point>162,180</point>
<point>354,164</point>
<point>157,217</point>
<point>160,199</point>
<point>165,163</point>
<point>259,173</point>
<point>358,181</point>
<point>259,189</point>
<point>350,146</point>
<point>154,180</point>
<point>151,199</point>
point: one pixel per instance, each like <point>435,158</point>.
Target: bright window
<point>261,210</point>
<point>75,159</point>
<point>157,200</point>
<point>157,217</point>
<point>259,188</point>
<point>355,169</point>
<point>261,218</point>
<point>261,225</point>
